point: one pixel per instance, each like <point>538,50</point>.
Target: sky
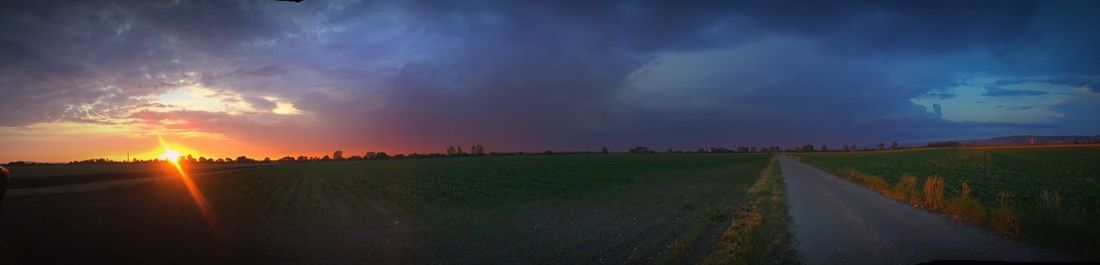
<point>102,78</point>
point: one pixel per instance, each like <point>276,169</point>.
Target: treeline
<point>739,149</point>
<point>846,148</point>
<point>450,151</point>
<point>896,146</point>
<point>479,150</point>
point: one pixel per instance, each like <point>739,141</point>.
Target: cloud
<point>533,75</point>
<point>1014,107</point>
<point>938,95</point>
<point>266,71</point>
<point>259,103</point>
<point>996,91</point>
<point>1073,81</point>
<point>85,61</point>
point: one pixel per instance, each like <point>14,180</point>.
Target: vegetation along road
<point>834,221</point>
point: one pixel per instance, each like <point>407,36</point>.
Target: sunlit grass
<point>758,232</point>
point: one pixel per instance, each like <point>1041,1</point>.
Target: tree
<point>881,146</point>
<point>338,155</point>
<point>267,160</point>
<point>894,146</point>
<point>640,150</point>
<point>477,149</point>
<point>824,148</point>
<point>603,150</point>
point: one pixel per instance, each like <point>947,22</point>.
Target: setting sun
<point>169,155</point>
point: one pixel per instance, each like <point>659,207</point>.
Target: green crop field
<point>493,209</point>
<point>1051,195</point>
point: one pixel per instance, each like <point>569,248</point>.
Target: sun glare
<point>173,156</point>
<point>170,155</point>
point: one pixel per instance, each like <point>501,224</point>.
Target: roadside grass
<point>758,232</point>
<point>692,245</point>
<point>677,252</point>
<point>1018,193</point>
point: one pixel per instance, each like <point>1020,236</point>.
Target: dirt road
<point>837,222</point>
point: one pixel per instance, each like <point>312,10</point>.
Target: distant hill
<point>1034,139</point>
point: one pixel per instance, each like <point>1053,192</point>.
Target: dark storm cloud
<point>1074,81</point>
<point>1014,107</point>
<point>547,71</point>
<point>535,74</point>
<point>996,91</point>
<point>939,95</point>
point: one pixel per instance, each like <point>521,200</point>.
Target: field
<point>497,209</point>
<point>1048,196</point>
<point>36,176</point>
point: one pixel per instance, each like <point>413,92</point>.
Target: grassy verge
<point>758,233</point>
<point>679,250</point>
<point>1044,196</point>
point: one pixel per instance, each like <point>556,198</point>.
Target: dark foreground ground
<point>528,209</point>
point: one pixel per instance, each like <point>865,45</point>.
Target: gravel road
<point>837,222</point>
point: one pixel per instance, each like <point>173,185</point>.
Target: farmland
<point>1047,196</point>
<point>497,209</point>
